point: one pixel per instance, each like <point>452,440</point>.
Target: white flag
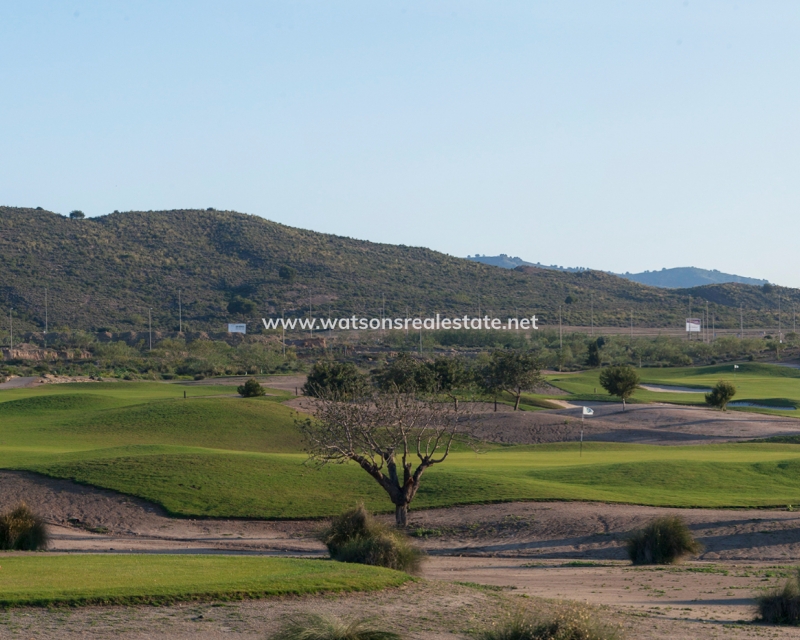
<point>587,411</point>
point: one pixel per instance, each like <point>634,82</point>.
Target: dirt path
<point>19,383</point>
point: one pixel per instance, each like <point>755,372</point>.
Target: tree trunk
<point>495,403</point>
<point>401,515</point>
<point>623,404</point>
<point>516,404</point>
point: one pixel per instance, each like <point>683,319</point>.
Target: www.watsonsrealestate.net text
<point>434,323</point>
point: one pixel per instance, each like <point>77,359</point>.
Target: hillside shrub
<point>250,389</point>
<point>318,627</point>
<point>782,604</point>
<point>355,536</point>
<point>664,541</point>
<point>22,530</point>
<point>574,623</point>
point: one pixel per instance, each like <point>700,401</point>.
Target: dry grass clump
<point>317,627</point>
<point>782,604</point>
<point>573,623</point>
<point>22,530</point>
<point>355,536</point>
<point>664,541</point>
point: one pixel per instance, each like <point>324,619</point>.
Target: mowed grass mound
<point>134,579</point>
<point>119,415</point>
<point>755,382</point>
<point>220,456</point>
<point>219,484</point>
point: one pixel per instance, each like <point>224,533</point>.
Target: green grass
<point>755,382</point>
<point>129,579</point>
<point>209,483</point>
<point>220,456</point>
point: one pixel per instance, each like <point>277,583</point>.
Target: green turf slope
<point>158,579</point>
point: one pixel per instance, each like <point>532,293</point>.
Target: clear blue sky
<point>615,135</point>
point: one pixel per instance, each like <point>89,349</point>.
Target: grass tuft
<point>574,623</point>
<point>782,604</point>
<point>22,530</point>
<point>318,627</point>
<point>355,536</point>
<point>664,541</point>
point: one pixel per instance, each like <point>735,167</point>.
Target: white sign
<point>237,328</point>
<point>588,412</point>
<point>693,325</point>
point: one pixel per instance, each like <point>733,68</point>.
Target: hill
<point>677,278</point>
<point>684,277</point>
<point>508,262</point>
<point>107,272</point>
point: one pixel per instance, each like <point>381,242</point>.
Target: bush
<point>355,536</point>
<point>316,627</point>
<point>22,530</point>
<point>781,605</point>
<point>570,624</point>
<point>663,541</point>
<point>720,395</point>
<point>250,389</point>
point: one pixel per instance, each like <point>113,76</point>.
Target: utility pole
<point>706,327</point>
<point>283,336</point>
<point>741,322</point>
<point>780,337</point>
<point>591,298</point>
<point>45,316</point>
<point>689,333</point>
<point>150,326</point>
<point>180,313</point>
<point>560,335</point>
<point>631,325</point>
<point>10,330</point>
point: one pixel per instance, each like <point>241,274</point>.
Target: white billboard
<point>237,328</point>
<point>693,325</point>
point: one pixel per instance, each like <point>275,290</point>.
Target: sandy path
<point>19,383</point>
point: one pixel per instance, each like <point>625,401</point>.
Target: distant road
<point>18,383</point>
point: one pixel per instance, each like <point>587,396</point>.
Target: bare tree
<point>386,434</point>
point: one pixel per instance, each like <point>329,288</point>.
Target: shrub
<point>570,624</point>
<point>77,214</point>
<point>329,378</point>
<point>317,627</point>
<point>250,389</point>
<point>355,536</point>
<point>720,395</point>
<point>782,604</point>
<point>664,541</point>
<point>22,530</point>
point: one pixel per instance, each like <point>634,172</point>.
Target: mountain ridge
<point>667,278</point>
<point>108,272</point>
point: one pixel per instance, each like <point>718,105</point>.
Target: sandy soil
<point>570,551</point>
<point>16,382</point>
<point>639,423</point>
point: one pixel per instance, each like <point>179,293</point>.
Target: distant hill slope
<point>106,272</point>
<point>684,277</point>
<point>507,262</point>
<point>677,278</point>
